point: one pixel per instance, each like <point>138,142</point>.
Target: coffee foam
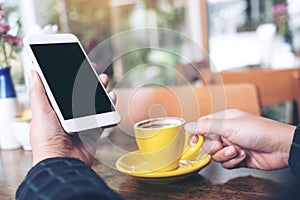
<point>159,123</point>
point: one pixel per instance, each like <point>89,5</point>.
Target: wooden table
<point>212,182</point>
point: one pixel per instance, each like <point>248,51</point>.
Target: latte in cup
<point>161,142</point>
<point>158,123</point>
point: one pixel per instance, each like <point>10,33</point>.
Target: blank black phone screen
<point>71,79</point>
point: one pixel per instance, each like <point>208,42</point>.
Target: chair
<point>274,86</point>
<point>184,101</point>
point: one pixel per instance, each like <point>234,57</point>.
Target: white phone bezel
<point>75,124</point>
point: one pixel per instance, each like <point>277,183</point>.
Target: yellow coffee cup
<point>162,143</point>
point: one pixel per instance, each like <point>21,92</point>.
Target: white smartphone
<point>71,83</point>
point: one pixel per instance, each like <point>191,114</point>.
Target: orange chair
<point>184,101</point>
<point>274,86</point>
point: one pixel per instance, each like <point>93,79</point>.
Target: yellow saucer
<point>186,169</point>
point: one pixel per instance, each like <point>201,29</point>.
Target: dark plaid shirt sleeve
<point>63,178</point>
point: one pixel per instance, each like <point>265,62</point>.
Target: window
<point>244,33</point>
<point>96,22</point>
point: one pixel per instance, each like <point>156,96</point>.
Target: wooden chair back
<point>274,86</point>
<point>184,101</point>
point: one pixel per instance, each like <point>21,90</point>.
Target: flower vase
<point>8,110</point>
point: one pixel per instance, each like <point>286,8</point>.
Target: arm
<point>61,161</point>
<point>235,138</point>
<point>63,178</point>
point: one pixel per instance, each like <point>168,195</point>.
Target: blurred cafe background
<point>229,34</point>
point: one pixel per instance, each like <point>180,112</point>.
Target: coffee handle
<point>191,151</point>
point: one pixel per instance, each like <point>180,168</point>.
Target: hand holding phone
<point>72,85</point>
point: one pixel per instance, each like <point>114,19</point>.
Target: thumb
<point>38,99</point>
<point>207,126</point>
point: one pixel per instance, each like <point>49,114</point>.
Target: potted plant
<point>279,13</point>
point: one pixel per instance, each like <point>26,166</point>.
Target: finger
<point>236,161</point>
<point>214,122</point>
<point>205,126</point>
<point>104,79</point>
<point>192,128</point>
<point>193,140</point>
<point>113,97</point>
<point>225,154</point>
<point>212,146</point>
<point>212,142</point>
<point>38,99</point>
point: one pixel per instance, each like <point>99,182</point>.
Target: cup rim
<point>136,125</point>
